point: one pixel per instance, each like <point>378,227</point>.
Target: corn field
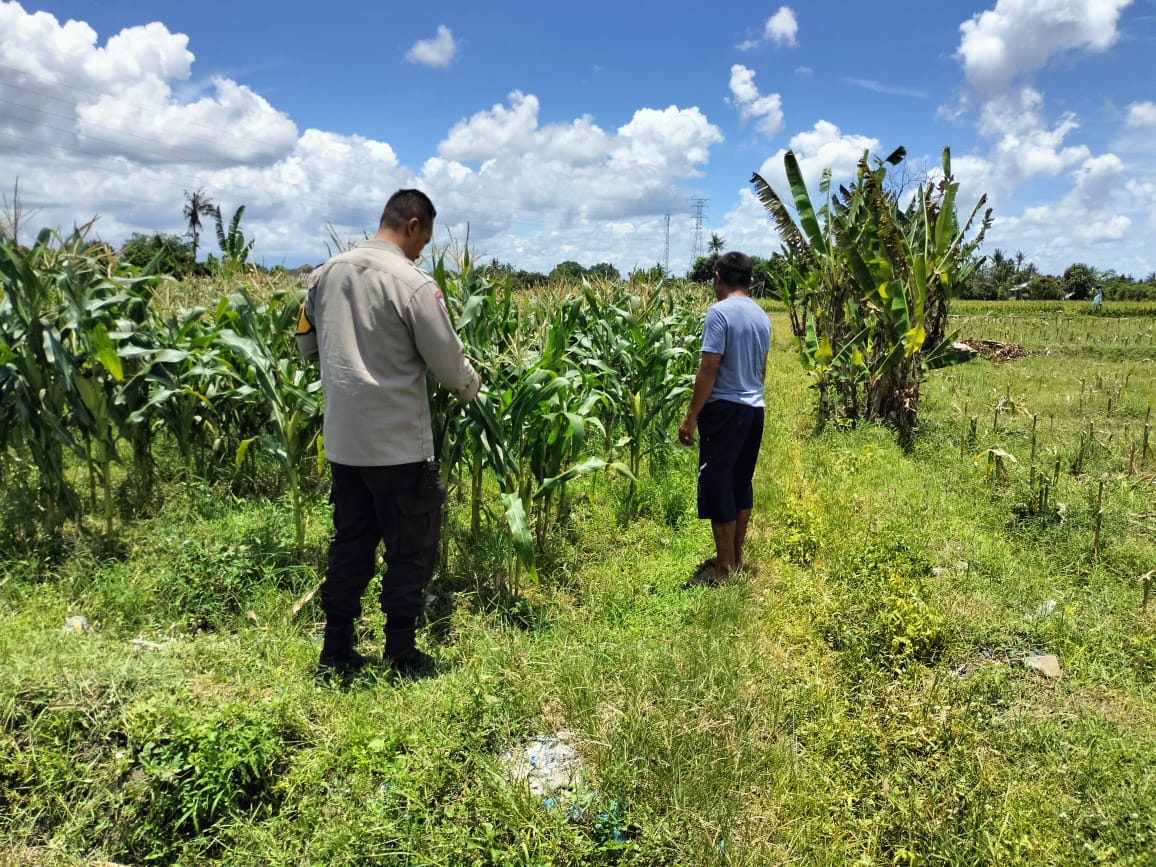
<point>105,390</point>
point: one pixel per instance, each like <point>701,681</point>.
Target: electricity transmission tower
<point>698,207</point>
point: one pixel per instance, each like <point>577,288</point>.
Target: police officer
<point>377,323</point>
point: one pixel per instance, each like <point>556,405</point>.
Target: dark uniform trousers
<point>398,505</point>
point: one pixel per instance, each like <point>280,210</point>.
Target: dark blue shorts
<point>729,436</point>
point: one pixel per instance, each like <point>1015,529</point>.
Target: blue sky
<point>573,133</point>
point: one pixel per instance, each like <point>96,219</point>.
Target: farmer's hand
<point>686,430</point>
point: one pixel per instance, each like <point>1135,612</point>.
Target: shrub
<point>173,254</point>
<point>194,770</point>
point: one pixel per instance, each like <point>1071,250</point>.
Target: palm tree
<point>197,205</point>
<point>716,244</point>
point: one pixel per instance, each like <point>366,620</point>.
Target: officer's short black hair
<point>404,205</point>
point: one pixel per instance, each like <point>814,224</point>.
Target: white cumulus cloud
<point>821,147</point>
<point>438,51</point>
<point>766,110</point>
<point>1020,36</point>
<point>501,164</point>
<point>782,27</point>
<point>1090,215</point>
<point>94,129</point>
<point>62,90</point>
<point>1141,114</point>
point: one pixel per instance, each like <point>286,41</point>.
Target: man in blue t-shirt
<point>726,407</point>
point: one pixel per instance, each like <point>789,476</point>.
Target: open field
<point>867,696</point>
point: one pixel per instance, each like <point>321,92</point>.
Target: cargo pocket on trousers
<point>421,513</point>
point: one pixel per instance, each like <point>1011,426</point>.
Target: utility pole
<point>666,252</point>
<point>698,207</point>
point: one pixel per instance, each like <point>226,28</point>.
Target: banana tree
<point>235,249</point>
<point>867,286</point>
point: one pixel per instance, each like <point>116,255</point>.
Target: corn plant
<point>281,394</point>
<point>36,391</point>
<point>102,318</point>
<point>184,376</point>
<point>528,427</point>
<point>61,374</point>
<point>640,352</point>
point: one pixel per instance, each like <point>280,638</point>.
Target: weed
<point>196,771</point>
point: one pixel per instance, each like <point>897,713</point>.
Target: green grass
<point>858,700</point>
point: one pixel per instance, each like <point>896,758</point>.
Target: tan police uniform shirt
<point>377,323</point>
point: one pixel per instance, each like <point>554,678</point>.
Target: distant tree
<point>766,274</point>
<point>1079,282</point>
<point>603,271</point>
<point>197,205</point>
<point>998,275</point>
<point>702,271</point>
<point>716,244</point>
<point>497,270</point>
<point>1001,272</point>
<point>568,272</point>
<point>1044,287</point>
<point>521,280</point>
<point>1125,287</point>
<point>173,253</point>
<point>649,276</point>
<point>1025,270</point>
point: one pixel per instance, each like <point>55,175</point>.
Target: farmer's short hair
<point>734,268</point>
<point>404,205</point>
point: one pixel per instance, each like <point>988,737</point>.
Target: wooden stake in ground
<point>1099,520</point>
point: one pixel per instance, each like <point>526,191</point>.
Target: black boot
<point>337,654</point>
<point>401,653</point>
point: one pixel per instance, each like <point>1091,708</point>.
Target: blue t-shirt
<point>737,329</point>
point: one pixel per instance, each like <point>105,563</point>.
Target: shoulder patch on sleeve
<point>304,326</point>
<point>440,296</point>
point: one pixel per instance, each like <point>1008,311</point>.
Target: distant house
<point>1019,291</point>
